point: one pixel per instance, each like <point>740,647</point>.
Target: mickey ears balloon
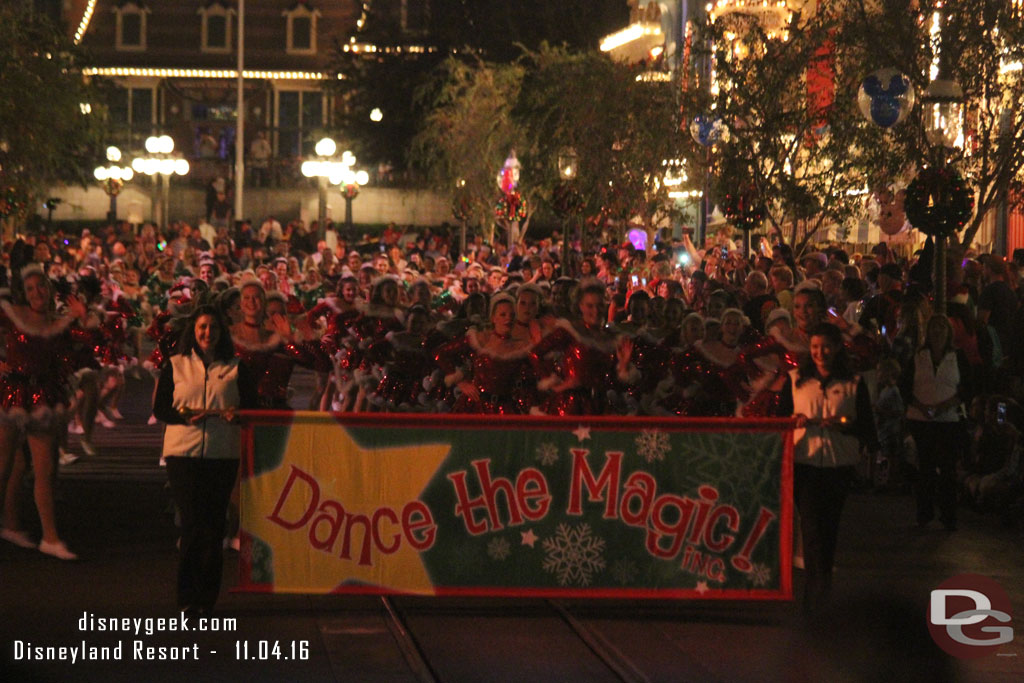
<point>708,130</point>
<point>885,97</point>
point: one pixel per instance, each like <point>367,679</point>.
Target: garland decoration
<point>742,211</point>
<point>938,202</point>
<point>461,207</point>
<point>567,199</point>
<point>510,207</point>
<point>350,190</point>
<point>112,186</point>
<point>11,202</point>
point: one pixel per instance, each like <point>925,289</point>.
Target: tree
<point>982,48</point>
<point>468,131</point>
<point>807,156</point>
<point>494,31</point>
<point>788,151</point>
<point>51,119</point>
<point>623,130</point>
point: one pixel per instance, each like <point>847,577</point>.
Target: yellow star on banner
<point>329,487</point>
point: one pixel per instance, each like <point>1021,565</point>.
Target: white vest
<point>196,388</point>
<point>819,446</point>
<point>935,385</point>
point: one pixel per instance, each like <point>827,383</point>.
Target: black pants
<point>937,446</point>
<point>820,493</point>
<point>201,488</point>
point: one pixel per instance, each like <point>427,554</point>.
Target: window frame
<point>306,12</point>
<point>120,11</point>
<point>219,9</point>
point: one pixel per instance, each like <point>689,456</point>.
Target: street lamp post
<point>161,161</point>
<point>943,102</point>
<point>113,178</point>
<point>508,182</point>
<point>350,184</point>
<point>568,169</point>
<point>329,171</point>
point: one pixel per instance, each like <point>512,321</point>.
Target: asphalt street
<point>113,510</point>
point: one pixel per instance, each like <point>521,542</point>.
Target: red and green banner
<point>517,506</point>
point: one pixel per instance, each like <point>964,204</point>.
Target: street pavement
<point>113,510</point>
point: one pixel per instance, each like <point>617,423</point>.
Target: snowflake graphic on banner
<point>574,555</point>
<point>624,570</point>
<point>499,549</point>
<point>760,575</point>
<point>547,453</point>
<point>652,445</point>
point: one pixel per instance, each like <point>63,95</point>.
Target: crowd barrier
<point>516,506</point>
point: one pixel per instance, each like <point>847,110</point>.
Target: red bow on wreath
<point>510,207</point>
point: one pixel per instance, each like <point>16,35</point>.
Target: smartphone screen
<point>636,281</point>
<point>1001,413</point>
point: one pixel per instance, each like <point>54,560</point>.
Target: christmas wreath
<point>510,207</point>
<point>567,199</point>
<point>11,202</point>
<point>742,211</point>
<point>938,202</point>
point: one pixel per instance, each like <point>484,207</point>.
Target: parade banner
<point>517,506</point>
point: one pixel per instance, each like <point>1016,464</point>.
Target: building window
<point>216,29</point>
<point>301,29</point>
<point>131,26</point>
<point>300,118</point>
<point>133,111</point>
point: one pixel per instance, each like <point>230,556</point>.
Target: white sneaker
<point>18,538</point>
<point>87,447</point>
<point>75,428</point>
<point>105,422</point>
<point>66,457</point>
<point>57,549</point>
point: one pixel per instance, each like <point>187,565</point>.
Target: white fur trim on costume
<point>603,345</point>
<point>473,336</point>
<point>273,341</point>
<point>51,329</point>
<point>548,382</point>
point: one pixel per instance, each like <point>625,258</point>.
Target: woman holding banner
<point>834,419</point>
<point>197,394</point>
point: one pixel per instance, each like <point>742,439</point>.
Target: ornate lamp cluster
<point>112,176</point>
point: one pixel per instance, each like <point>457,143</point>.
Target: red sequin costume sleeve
<point>39,364</point>
<point>505,382</point>
<point>272,363</point>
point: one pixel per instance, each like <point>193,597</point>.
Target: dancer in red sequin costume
<point>34,403</point>
<point>595,364</point>
<point>491,370</point>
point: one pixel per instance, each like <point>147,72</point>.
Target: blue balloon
<point>886,97</point>
<point>708,130</point>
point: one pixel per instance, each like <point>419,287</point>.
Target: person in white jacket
<point>834,420</point>
<point>198,392</point>
<point>937,381</point>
